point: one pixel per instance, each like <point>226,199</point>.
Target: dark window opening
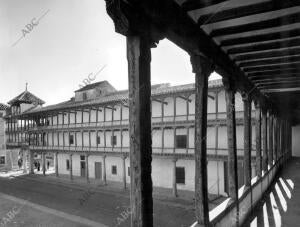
<point>2,160</point>
<point>68,164</point>
<point>84,96</point>
<point>181,141</point>
<point>114,170</point>
<point>82,157</point>
<point>113,140</point>
<point>180,175</point>
<point>98,140</point>
<point>129,171</point>
<point>71,139</point>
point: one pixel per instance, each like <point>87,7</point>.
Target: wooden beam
<point>231,138</point>
<point>189,5</point>
<point>260,37</point>
<point>247,139</point>
<point>160,101</point>
<point>264,141</point>
<point>275,73</point>
<point>202,68</point>
<point>259,83</point>
<point>258,138</point>
<point>242,11</point>
<point>264,24</point>
<point>139,57</point>
<point>267,54</point>
<point>293,42</point>
<point>281,60</point>
<point>295,65</point>
<point>270,160</point>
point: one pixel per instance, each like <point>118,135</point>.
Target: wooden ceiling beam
<point>197,4</point>
<point>267,54</point>
<point>261,37</point>
<point>275,72</point>
<point>278,77</point>
<point>276,83</point>
<point>268,23</point>
<point>294,80</point>
<point>242,11</point>
<point>272,67</point>
<point>265,46</point>
<point>281,60</point>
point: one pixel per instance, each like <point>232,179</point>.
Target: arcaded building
<point>87,136</point>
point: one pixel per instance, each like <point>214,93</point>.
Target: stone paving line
<point>60,214</point>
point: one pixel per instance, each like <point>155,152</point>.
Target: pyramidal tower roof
<point>26,97</point>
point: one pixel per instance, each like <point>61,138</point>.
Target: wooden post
<point>87,168</point>
<point>202,68</point>
<point>258,138</point>
<point>270,160</point>
<point>139,57</point>
<point>231,138</point>
<point>104,170</point>
<point>174,160</point>
<point>31,168</point>
<point>56,164</point>
<point>247,139</point>
<point>124,171</point>
<point>44,163</point>
<point>71,167</point>
<point>275,138</point>
<point>264,141</point>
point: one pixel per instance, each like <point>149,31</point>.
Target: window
<point>68,164</point>
<point>71,139</point>
<point>84,96</point>
<point>114,170</point>
<point>82,157</point>
<point>113,140</point>
<point>181,141</point>
<point>129,171</point>
<point>98,140</point>
<point>2,160</point>
<point>180,175</point>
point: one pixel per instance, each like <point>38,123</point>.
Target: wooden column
<point>231,138</point>
<point>202,69</point>
<point>31,167</point>
<point>44,163</point>
<point>270,159</point>
<point>104,170</point>
<point>174,160</point>
<point>87,168</point>
<point>124,171</point>
<point>247,139</point>
<point>275,138</point>
<point>139,57</point>
<point>56,164</point>
<point>258,139</point>
<point>264,141</point>
<point>71,167</point>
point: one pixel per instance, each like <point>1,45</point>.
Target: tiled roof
<point>26,97</point>
<point>123,95</point>
<point>3,106</point>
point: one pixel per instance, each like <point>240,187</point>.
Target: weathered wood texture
<point>264,141</point>
<point>247,140</point>
<point>139,57</point>
<point>270,160</point>
<point>231,139</point>
<point>258,139</point>
<point>202,68</point>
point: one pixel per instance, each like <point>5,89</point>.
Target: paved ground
<point>281,205</point>
<point>39,203</point>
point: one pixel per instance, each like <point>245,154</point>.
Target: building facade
<point>88,135</point>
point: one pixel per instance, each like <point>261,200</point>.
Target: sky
<point>54,45</point>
